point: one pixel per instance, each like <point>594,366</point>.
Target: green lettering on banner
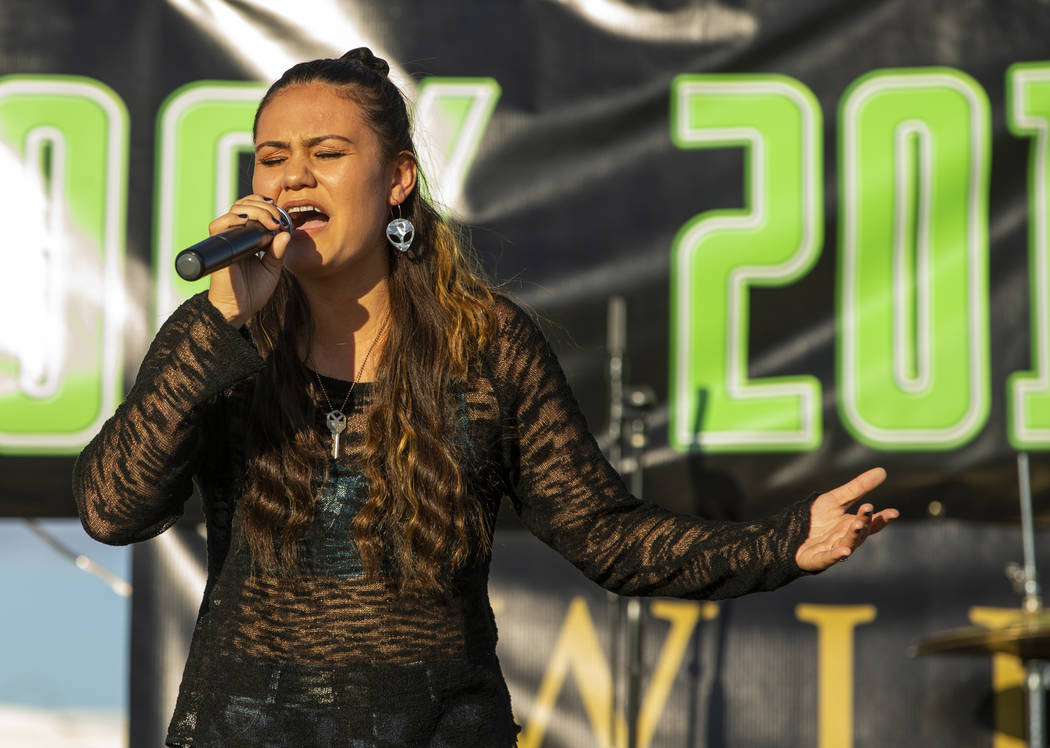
<point>64,148</point>
<point>202,130</point>
<point>718,255</point>
<point>1028,393</point>
<point>451,116</point>
<point>913,259</point>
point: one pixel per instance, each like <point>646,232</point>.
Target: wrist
<point>230,313</point>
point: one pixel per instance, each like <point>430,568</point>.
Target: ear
<point>403,178</point>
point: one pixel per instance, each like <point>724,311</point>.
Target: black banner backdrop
<point>582,184</point>
<point>577,189</point>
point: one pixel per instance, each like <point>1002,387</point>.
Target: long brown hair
<point>419,517</point>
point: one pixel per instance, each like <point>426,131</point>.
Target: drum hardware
<point>1027,637</point>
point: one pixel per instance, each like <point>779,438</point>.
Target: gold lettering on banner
<point>578,651</point>
<point>683,617</point>
<point>835,625</point>
<point>1008,677</point>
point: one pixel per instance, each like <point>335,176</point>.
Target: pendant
<point>336,421</point>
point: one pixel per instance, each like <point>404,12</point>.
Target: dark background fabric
<point>576,190</point>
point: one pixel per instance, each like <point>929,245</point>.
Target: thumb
<point>274,257</point>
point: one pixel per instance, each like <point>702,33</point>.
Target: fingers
<point>814,557</point>
<point>883,518</point>
<point>853,530</point>
<point>249,208</point>
<point>276,249</point>
<point>263,210</point>
<point>834,533</point>
<point>240,290</point>
<point>830,505</point>
<point>860,486</point>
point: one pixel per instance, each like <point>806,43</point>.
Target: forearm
<point>710,559</point>
<point>131,481</point>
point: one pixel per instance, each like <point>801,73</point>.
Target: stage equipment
<point>82,562</point>
<point>615,346</point>
<point>1027,637</point>
<point>639,402</point>
<point>631,407</point>
<point>226,248</point>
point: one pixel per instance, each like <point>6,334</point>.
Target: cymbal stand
<point>1026,582</point>
<point>639,402</point>
<point>625,614</point>
<point>1026,638</point>
<point>616,345</point>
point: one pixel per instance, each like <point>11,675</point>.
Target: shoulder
<point>519,352</point>
<point>513,320</point>
<point>506,309</point>
<point>519,333</point>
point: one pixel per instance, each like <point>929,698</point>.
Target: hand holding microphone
<point>227,247</point>
<point>239,289</point>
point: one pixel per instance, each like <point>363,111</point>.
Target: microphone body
<point>226,248</point>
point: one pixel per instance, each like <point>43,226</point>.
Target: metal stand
<point>616,345</point>
<point>1027,638</point>
<point>639,401</point>
<point>1028,582</point>
<point>632,408</point>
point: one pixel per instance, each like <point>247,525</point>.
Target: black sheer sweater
<point>336,659</point>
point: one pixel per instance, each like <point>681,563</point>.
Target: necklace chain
<point>336,419</point>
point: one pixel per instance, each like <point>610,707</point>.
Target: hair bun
<point>363,56</point>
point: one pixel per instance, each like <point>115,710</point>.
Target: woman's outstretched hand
<point>833,533</point>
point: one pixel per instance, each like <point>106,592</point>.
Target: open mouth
<point>307,217</point>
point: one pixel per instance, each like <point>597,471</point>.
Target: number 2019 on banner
<point>912,290</point>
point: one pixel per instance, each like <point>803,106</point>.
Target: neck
<point>347,319</point>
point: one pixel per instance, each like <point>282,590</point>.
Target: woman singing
<point>353,406</point>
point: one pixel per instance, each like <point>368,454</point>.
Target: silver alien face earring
<point>400,232</point>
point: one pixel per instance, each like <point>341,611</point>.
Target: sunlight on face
<point>316,157</point>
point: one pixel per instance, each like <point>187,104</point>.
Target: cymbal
<point>1027,638</point>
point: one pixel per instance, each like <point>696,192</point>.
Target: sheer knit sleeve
<point>131,481</point>
<point>569,496</point>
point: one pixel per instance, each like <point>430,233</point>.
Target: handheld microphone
<point>223,249</point>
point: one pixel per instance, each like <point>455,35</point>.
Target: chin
<point>304,258</point>
<point>302,255</point>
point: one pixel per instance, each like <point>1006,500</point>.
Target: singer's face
<point>317,158</point>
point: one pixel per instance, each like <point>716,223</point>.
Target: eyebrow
<point>309,142</point>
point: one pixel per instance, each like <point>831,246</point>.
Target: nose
<point>297,174</point>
